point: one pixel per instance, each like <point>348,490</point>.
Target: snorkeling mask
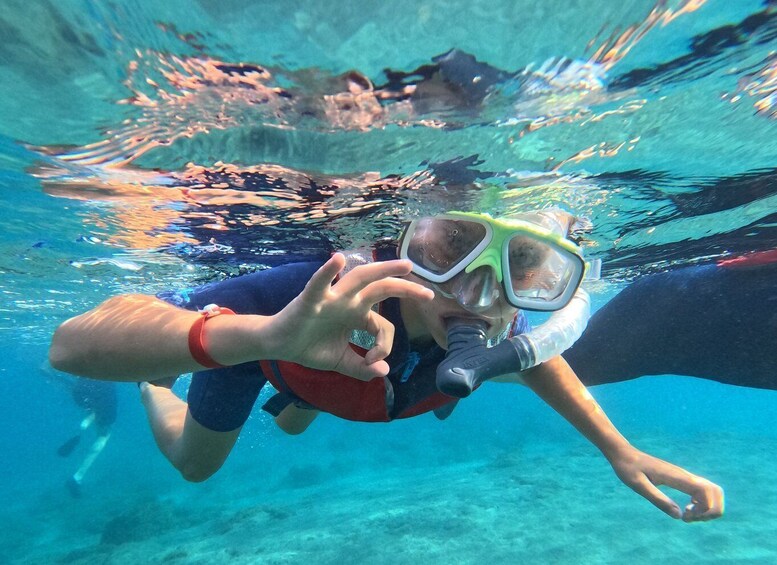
<point>470,256</point>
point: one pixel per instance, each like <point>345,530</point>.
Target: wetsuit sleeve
<point>222,399</point>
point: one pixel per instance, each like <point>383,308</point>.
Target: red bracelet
<point>196,337</point>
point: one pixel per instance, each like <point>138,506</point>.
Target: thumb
<point>644,487</point>
<point>354,365</point>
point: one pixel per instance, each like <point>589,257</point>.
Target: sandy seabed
<point>542,503</point>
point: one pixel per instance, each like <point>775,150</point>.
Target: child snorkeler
<point>460,280</point>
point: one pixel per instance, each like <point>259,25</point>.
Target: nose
<point>477,291</point>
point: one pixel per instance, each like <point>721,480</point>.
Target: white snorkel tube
<point>561,331</point>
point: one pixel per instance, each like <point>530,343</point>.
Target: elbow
<point>57,358</point>
<point>61,356</point>
<point>70,352</point>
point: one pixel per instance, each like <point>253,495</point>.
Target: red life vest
<point>343,396</point>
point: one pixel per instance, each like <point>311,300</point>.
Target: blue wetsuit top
<point>222,399</point>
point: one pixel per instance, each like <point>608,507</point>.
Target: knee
<point>294,421</point>
<point>292,428</point>
<point>198,471</point>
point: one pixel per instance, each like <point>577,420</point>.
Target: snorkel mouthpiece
<point>470,361</point>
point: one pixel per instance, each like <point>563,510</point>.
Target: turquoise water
<point>136,154</point>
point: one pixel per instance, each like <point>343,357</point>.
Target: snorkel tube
<point>470,361</point>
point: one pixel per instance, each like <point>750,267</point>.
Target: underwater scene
<point>616,160</point>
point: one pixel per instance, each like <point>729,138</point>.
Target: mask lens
<point>440,244</point>
<point>476,291</point>
<point>539,271</point>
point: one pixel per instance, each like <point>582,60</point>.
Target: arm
<point>140,338</point>
<point>137,337</point>
<point>556,383</point>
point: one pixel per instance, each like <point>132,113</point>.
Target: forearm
<point>556,383</point>
<point>136,337</point>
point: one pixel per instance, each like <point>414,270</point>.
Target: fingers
<point>383,330</point>
<point>363,275</point>
<point>645,474</point>
<point>322,279</point>
<point>374,282</point>
<point>356,366</point>
<point>707,503</point>
<point>707,498</point>
<point>392,287</point>
<point>372,364</point>
<point>661,501</point>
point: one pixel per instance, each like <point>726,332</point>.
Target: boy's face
<point>430,319</point>
<point>474,259</point>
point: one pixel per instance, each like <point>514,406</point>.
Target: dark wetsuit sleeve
<point>708,321</point>
<point>221,399</point>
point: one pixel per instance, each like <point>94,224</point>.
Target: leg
<point>294,420</point>
<point>193,449</point>
<point>709,322</point>
<point>649,328</point>
<point>94,451</point>
<point>87,421</point>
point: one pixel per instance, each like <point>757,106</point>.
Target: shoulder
<point>519,325</point>
<point>263,292</point>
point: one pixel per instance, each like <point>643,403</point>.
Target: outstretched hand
<point>314,329</point>
<point>644,473</point>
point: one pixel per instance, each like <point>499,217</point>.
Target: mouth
<point>460,319</point>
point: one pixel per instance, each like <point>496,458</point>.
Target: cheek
<point>502,319</point>
<point>431,315</point>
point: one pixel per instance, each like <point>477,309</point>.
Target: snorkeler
<point>446,92</point>
<point>715,322</point>
<point>98,398</point>
<point>457,272</point>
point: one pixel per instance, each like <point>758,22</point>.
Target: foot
<point>67,448</point>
